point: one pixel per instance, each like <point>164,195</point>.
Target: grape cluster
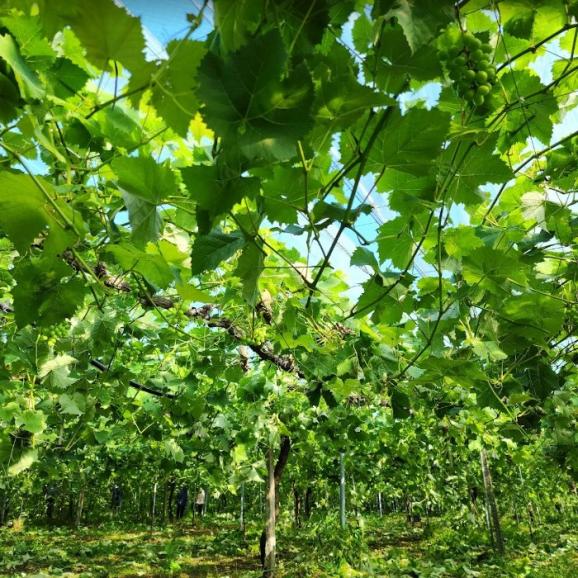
<point>52,334</point>
<point>469,66</point>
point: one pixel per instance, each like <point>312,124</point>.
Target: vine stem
<point>535,47</point>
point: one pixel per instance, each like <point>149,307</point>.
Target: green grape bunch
<point>469,66</point>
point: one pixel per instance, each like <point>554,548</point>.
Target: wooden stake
<point>270,543</point>
<point>342,517</point>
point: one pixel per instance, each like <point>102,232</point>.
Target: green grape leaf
<point>468,166</point>
<point>491,268</point>
<point>145,184</point>
<point>488,351</point>
<point>410,143</point>
<point>420,21</point>
<point>461,241</point>
<point>143,177</point>
<point>257,107</point>
<point>214,193</point>
<point>45,293</point>
<point>395,242</point>
<point>54,364</point>
<point>517,19</point>
<point>29,84</point>
<point>30,37</point>
<point>396,61</point>
<point>9,99</point>
<point>340,99</point>
<point>408,193</point>
<point>121,130</point>
<point>145,220</point>
<point>174,93</point>
<point>534,119</point>
<point>174,450</point>
<point>191,293</point>
<point>66,78</point>
<point>240,453</point>
<point>71,405</point>
<point>32,420</point>
<point>236,21</point>
<point>22,213</point>
<point>153,267</point>
<point>364,257</point>
<point>210,250</point>
<point>109,32</point>
<point>283,192</point>
<point>249,269</point>
<point>537,315</point>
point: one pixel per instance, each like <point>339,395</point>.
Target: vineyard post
<point>154,505</point>
<point>492,514</point>
<point>242,514</point>
<point>270,543</point>
<point>342,519</point>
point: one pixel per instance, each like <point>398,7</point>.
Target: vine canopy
<point>375,198</point>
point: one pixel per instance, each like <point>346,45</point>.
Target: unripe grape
<point>481,76</point>
<point>470,74</point>
<point>477,55</point>
<point>471,41</point>
<point>483,89</point>
<point>460,61</point>
<point>558,160</point>
<point>469,94</point>
<point>487,48</point>
<point>479,99</point>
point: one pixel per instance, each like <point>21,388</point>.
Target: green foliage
<point>349,225</point>
<point>258,110</point>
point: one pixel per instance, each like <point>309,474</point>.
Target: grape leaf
<point>32,420</point>
<point>410,143</point>
<point>174,93</point>
<point>248,100</point>
<point>249,269</point>
<point>29,84</point>
<point>236,20</point>
<point>45,294</point>
<point>209,250</point>
<point>145,184</point>
<point>420,20</point>
<point>109,32</point>
<point>470,166</point>
<point>152,267</point>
